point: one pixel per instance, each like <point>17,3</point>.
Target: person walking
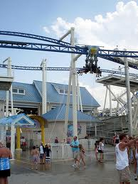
<point>101,149</point>
<point>5,155</point>
<point>41,150</point>
<point>47,151</point>
<point>96,149</point>
<point>122,161</point>
<point>75,149</point>
<point>82,155</point>
<point>35,157</point>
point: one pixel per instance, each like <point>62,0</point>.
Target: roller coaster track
<point>62,69</point>
<point>65,47</point>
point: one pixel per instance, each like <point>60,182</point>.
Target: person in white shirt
<point>41,150</point>
<point>122,161</point>
<point>101,149</point>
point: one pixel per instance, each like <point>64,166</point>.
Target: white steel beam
<point>128,96</point>
<point>74,100</point>
<point>114,96</point>
<point>44,91</point>
<point>110,100</point>
<point>65,35</point>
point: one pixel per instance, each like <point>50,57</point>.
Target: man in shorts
<point>75,149</point>
<point>5,155</point>
<point>122,162</point>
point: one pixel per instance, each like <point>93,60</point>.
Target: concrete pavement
<point>61,172</point>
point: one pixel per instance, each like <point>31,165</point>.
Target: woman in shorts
<point>101,149</point>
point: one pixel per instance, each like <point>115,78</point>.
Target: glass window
<point>21,91</point>
<point>18,91</point>
<point>14,90</point>
<point>61,91</point>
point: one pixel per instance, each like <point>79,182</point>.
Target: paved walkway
<point>61,172</point>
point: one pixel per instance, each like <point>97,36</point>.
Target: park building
<point>27,98</point>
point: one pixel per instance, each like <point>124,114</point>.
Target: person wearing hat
<point>5,155</point>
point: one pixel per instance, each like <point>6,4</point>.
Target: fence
<point>64,151</point>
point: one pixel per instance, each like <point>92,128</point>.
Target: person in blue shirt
<point>75,149</point>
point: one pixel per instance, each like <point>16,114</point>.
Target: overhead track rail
<point>39,68</point>
<point>91,52</point>
<point>42,47</point>
<point>33,36</point>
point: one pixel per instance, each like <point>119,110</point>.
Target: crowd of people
<point>79,152</point>
<point>41,155</point>
<point>126,151</point>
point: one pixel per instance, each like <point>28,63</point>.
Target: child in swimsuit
<point>82,155</point>
<point>35,157</point>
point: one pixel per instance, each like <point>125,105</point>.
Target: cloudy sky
<point>108,23</point>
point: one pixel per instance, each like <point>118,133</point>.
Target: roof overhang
<point>119,81</point>
<point>5,82</point>
<point>16,120</point>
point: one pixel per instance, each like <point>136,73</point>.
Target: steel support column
<point>44,90</point>
<point>128,96</point>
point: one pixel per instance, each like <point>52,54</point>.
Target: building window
<point>18,91</point>
<point>21,91</point>
<point>14,90</point>
<point>64,92</point>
